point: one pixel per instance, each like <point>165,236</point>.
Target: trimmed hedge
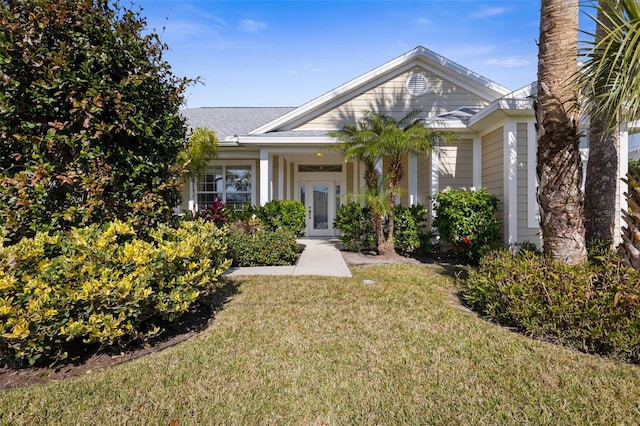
<point>467,221</point>
<point>593,307</point>
<point>283,214</point>
<point>249,245</point>
<point>101,285</point>
<point>410,232</point>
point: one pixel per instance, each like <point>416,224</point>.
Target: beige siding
<point>424,179</point>
<point>492,169</point>
<point>456,164</point>
<point>392,96</point>
<point>184,193</point>
<point>350,172</point>
<point>524,232</point>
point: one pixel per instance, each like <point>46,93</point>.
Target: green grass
<point>315,350</point>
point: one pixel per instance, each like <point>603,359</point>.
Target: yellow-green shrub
<point>101,285</point>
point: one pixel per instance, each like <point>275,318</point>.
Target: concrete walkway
<point>319,257</point>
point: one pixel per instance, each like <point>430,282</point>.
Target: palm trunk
<point>602,168</point>
<point>559,166</point>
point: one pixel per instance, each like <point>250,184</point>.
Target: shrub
<point>216,213</point>
<point>356,228</point>
<point>466,220</point>
<point>89,118</point>
<point>410,231</point>
<point>594,307</point>
<point>260,247</point>
<point>283,214</point>
<point>411,234</point>
<point>101,286</point>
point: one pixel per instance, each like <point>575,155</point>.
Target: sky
<point>288,52</point>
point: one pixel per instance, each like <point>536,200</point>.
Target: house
<point>285,153</point>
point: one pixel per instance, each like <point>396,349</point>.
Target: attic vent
<point>417,84</point>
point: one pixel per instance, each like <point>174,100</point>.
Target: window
<point>229,183</point>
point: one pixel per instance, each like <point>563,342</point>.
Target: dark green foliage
<point>89,122</point>
<point>356,228</point>
<point>466,220</point>
<point>410,235</point>
<point>593,307</point>
<point>252,246</point>
<point>101,285</point>
<point>283,214</point>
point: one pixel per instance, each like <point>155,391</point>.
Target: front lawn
<point>319,350</point>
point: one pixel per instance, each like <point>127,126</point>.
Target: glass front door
<point>320,200</point>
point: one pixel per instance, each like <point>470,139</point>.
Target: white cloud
<point>251,26</point>
<point>488,12</point>
<point>508,62</point>
<point>423,21</point>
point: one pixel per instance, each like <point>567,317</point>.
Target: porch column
<point>281,178</point>
<point>477,162</point>
<point>192,196</point>
<point>379,169</point>
<point>435,171</point>
<point>412,175</point>
<point>510,182</point>
<point>265,177</point>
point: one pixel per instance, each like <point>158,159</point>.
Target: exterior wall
<point>350,178</point>
<point>525,233</point>
<point>424,180</point>
<point>456,164</point>
<point>392,97</point>
<point>185,192</point>
<point>493,169</point>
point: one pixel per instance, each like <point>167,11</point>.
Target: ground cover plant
<point>101,285</point>
<point>593,306</point>
<point>322,350</point>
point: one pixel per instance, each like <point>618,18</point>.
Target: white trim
<point>435,171</point>
<point>623,165</point>
<point>281,177</point>
<point>533,211</point>
<point>265,177</point>
<point>418,56</point>
<point>477,162</point>
<point>412,176</point>
<point>224,164</point>
<point>192,196</point>
<point>510,185</point>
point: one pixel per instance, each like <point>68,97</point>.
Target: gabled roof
<point>420,56</point>
<point>231,121</point>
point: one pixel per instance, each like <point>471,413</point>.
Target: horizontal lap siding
<point>456,164</point>
<point>392,97</point>
<point>492,169</point>
<point>524,232</point>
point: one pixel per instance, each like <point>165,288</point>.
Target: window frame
<point>223,192</point>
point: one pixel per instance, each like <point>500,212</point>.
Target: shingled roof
<point>230,121</point>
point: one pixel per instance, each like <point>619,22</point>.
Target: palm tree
<point>602,167</point>
<point>200,148</point>
<point>378,136</point>
<point>559,166</point>
<point>609,80</point>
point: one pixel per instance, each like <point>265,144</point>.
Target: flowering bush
<point>466,220</point>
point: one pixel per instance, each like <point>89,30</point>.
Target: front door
<point>320,200</point>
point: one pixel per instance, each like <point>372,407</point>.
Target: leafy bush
<point>466,220</point>
<point>89,118</point>
<point>284,214</point>
<point>101,285</point>
<point>356,228</point>
<point>410,232</point>
<point>216,213</point>
<point>252,246</point>
<point>594,307</point>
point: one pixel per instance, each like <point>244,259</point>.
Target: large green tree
<point>89,122</point>
<point>381,137</point>
<point>559,166</point>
